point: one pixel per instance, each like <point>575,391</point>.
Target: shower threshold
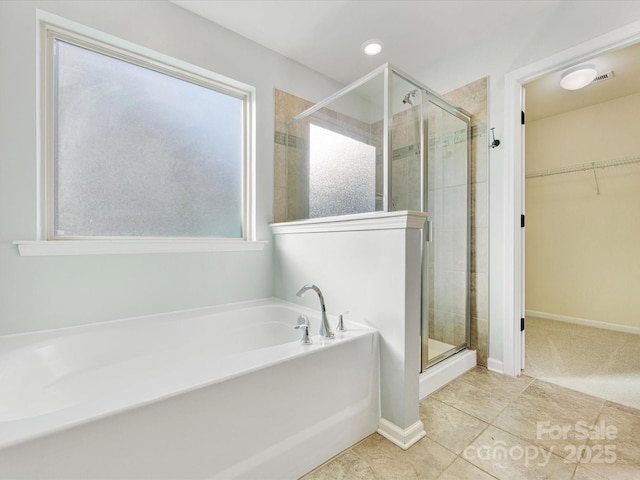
<point>441,373</point>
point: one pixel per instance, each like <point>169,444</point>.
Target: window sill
<point>29,248</point>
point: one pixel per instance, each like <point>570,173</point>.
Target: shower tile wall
<point>473,98</point>
<point>287,106</point>
<point>405,163</point>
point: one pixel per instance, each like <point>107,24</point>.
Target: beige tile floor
<point>591,360</point>
<point>485,425</point>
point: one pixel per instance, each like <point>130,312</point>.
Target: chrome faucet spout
<point>325,328</point>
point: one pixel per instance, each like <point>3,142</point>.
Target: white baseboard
<point>582,321</point>
<point>495,365</point>
<point>445,371</point>
<point>403,438</point>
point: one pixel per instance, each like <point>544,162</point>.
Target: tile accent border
<point>289,140</point>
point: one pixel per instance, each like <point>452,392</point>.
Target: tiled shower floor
<point>484,425</point>
<point>438,348</point>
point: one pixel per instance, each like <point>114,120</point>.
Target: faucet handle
<point>341,326</point>
<point>303,320</point>
<point>303,323</point>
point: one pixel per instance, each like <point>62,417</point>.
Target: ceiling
<point>326,36</point>
<point>544,97</point>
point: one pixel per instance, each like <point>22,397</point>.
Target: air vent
<point>601,77</point>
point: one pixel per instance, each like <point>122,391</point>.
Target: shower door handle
<point>428,231</point>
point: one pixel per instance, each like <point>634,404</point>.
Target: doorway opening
<point>582,187</point>
<point>515,86</point>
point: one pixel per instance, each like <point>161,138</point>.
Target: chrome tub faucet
<point>325,329</point>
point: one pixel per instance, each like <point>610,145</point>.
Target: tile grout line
<point>487,425</point>
<point>339,454</point>
<point>464,459</point>
<point>591,429</point>
<point>528,441</point>
<point>600,409</point>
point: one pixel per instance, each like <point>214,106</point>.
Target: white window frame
<point>55,28</point>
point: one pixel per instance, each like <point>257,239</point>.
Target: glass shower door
<point>445,296</point>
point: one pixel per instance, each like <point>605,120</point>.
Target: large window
<point>137,148</point>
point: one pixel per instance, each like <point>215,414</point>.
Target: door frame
<point>513,178</point>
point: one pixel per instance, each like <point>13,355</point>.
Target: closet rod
<point>585,166</point>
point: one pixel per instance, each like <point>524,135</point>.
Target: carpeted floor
<point>598,362</point>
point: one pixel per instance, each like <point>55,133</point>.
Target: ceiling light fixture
<point>372,47</point>
<point>578,77</point>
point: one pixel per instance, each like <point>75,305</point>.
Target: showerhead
<point>408,96</point>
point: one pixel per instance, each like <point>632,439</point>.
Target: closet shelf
<point>591,166</point>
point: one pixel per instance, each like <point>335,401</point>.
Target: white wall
<point>47,292</point>
<point>508,47</point>
<point>375,276</point>
<point>582,256</point>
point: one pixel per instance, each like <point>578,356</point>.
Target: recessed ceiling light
<point>578,77</point>
<point>372,47</point>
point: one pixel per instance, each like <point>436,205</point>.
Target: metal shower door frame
<point>429,97</point>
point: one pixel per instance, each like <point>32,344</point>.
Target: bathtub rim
<point>168,315</point>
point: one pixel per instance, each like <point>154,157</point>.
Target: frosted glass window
<point>140,153</point>
<point>342,174</point>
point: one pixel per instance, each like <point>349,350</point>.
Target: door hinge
<point>522,324</point>
<point>521,221</point>
<point>522,117</point>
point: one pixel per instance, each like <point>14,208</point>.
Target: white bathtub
<point>222,392</point>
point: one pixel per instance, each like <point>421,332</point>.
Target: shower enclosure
<point>388,143</point>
